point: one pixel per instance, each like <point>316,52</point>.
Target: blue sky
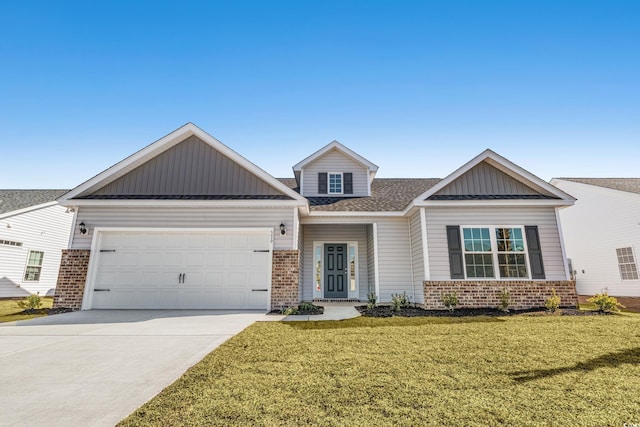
<point>417,87</point>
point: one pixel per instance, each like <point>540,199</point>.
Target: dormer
<point>335,171</point>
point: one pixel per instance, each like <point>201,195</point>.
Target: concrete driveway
<point>96,367</point>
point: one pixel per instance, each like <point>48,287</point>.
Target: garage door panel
<point>221,268</point>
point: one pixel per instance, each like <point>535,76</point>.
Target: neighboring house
<point>188,223</point>
<point>602,234</point>
<point>34,230</point>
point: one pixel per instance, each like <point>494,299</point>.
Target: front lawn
<point>480,371</point>
<point>10,312</point>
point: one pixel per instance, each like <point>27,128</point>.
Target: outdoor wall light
<point>283,230</point>
<point>83,228</point>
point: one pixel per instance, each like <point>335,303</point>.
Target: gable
<point>335,161</point>
<point>487,181</point>
<point>191,168</point>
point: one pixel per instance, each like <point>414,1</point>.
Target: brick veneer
<point>71,278</point>
<point>285,278</point>
<point>478,294</point>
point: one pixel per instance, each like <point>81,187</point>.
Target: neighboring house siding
<point>394,258</point>
<point>46,230</point>
<point>544,217</point>
<point>192,167</point>
<point>417,256</point>
<point>334,161</point>
<point>601,221</point>
<point>186,218</point>
<point>484,179</point>
<point>334,234</point>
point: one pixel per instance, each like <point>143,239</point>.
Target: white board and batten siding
<point>120,217</point>
<point>334,161</point>
<point>437,220</point>
<point>45,230</point>
<point>601,221</point>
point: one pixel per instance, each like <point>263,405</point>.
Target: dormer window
<point>335,183</point>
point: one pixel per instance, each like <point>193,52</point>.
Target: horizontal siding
<point>191,167</point>
<point>417,257</point>
<point>335,161</point>
<point>394,257</point>
<point>45,230</point>
<point>187,218</point>
<point>601,221</point>
<point>544,217</point>
<point>335,234</point>
<point>484,179</point>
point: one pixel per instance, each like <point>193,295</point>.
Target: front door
<point>335,270</point>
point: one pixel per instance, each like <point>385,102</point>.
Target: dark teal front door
<point>335,270</point>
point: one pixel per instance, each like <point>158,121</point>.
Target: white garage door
<point>185,270</point>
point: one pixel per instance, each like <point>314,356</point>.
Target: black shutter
<point>348,182</point>
<point>535,252</point>
<point>456,266</point>
<point>322,183</point>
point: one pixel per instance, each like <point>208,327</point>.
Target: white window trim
<point>494,253</point>
<point>635,262</point>
<point>27,266</point>
<point>350,244</point>
<point>329,183</point>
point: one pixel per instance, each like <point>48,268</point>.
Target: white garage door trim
<point>96,244</point>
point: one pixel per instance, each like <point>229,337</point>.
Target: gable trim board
<point>400,248</point>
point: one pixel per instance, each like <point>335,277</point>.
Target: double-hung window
<point>34,266</point>
<point>490,251</point>
<point>335,183</point>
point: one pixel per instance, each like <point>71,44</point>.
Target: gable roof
<point>335,145</point>
<point>546,190</point>
<point>630,185</point>
<point>159,147</point>
<point>14,200</point>
<point>387,195</point>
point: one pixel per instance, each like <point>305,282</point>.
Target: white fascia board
<point>498,203</point>
<point>338,146</point>
<point>29,209</point>
<point>165,143</point>
<point>185,203</point>
<point>504,165</point>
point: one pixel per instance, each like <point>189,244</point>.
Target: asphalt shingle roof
<point>630,185</point>
<point>13,200</point>
<point>387,195</point>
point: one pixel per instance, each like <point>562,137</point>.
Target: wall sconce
<point>283,230</point>
<point>83,228</point>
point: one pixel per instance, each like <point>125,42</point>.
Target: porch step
<point>336,300</point>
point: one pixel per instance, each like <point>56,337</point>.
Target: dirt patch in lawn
<point>386,311</point>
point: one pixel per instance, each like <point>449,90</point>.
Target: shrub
<point>400,301</point>
<point>32,302</point>
<point>372,299</point>
<point>287,311</point>
<point>307,306</point>
<point>553,302</point>
<point>450,300</point>
<point>505,300</point>
<point>605,303</point>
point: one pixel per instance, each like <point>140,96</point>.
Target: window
<point>335,183</point>
<point>485,247</point>
<point>34,266</point>
<point>10,243</point>
<point>627,264</point>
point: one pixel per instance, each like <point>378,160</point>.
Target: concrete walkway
<point>93,368</point>
<point>332,311</point>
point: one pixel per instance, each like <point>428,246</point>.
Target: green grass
<point>547,370</point>
<point>10,312</point>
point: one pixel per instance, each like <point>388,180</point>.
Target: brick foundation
<point>71,278</point>
<point>480,294</point>
<point>285,279</point>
